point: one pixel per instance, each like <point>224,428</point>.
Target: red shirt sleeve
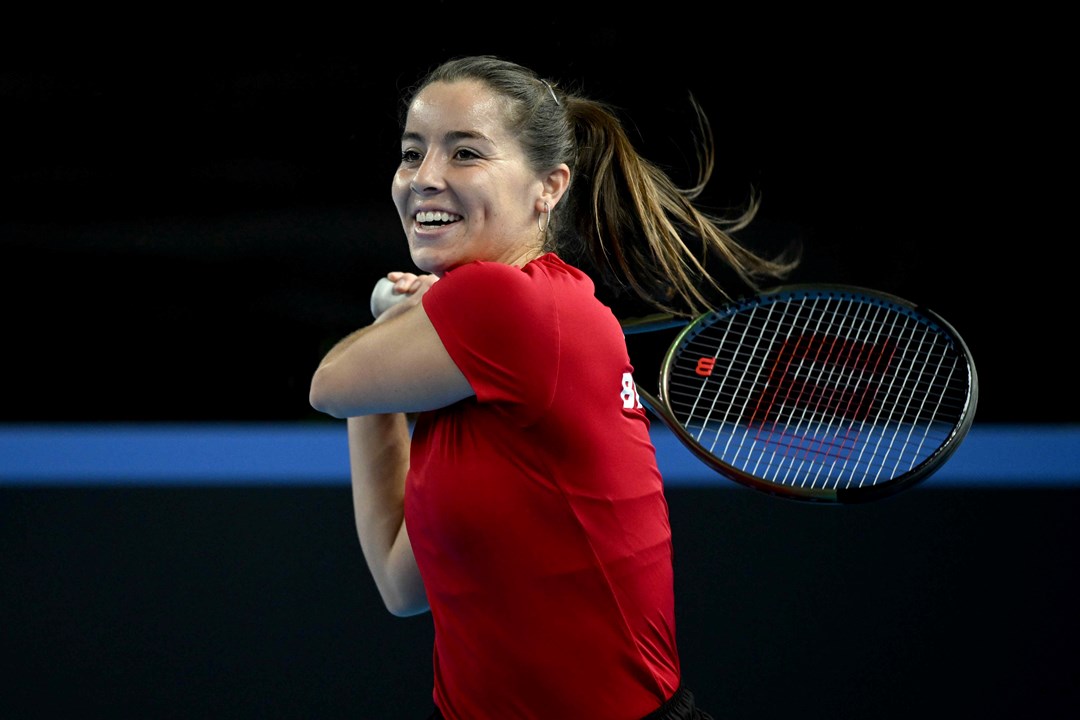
<point>500,327</point>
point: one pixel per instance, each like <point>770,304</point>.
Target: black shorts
<point>680,707</point>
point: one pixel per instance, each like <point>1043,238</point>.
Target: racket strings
<point>819,391</point>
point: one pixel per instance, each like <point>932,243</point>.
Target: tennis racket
<point>822,393</point>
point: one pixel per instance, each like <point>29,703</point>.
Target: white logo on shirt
<point>629,392</point>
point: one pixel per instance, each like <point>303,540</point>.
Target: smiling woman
<point>464,190</point>
<point>194,220</point>
<point>528,490</point>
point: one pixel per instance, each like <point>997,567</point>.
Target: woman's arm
<point>372,377</point>
<point>379,461</point>
<point>397,364</point>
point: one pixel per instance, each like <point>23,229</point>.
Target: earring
<point>544,227</point>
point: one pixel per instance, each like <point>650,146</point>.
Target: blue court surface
<point>1015,456</point>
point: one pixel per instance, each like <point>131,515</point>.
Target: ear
<point>555,184</point>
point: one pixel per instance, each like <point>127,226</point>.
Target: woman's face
<point>464,190</point>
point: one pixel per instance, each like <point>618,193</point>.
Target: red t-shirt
<point>536,510</point>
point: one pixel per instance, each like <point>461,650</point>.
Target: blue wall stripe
<point>276,454</point>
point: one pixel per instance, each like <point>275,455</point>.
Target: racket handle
<point>383,297</point>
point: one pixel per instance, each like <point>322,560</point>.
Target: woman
<point>525,510</point>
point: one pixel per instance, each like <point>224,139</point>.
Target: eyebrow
<point>452,136</point>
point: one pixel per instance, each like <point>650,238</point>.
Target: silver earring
<point>547,213</point>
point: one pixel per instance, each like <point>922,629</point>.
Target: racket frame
<point>661,408</point>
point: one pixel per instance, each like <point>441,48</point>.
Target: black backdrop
<point>193,210</point>
<point>255,603</point>
<point>192,214</point>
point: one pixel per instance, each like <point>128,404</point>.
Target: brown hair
<point>624,214</point>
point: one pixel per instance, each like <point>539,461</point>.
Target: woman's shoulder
<point>490,289</point>
<point>546,266</point>
<point>551,265</point>
<point>486,271</point>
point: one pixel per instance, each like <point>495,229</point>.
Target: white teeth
<point>435,216</point>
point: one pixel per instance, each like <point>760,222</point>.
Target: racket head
<point>820,393</point>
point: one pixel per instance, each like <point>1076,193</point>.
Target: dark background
<point>192,215</point>
<point>255,603</point>
<point>193,209</point>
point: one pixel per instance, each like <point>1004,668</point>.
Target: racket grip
<point>383,297</point>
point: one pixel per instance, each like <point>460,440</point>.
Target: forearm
<point>342,345</point>
<point>397,364</point>
<point>379,461</point>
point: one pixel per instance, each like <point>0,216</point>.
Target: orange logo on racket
<point>705,366</point>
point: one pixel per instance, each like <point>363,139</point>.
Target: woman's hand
<point>408,289</point>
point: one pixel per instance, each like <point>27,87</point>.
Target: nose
<point>428,177</point>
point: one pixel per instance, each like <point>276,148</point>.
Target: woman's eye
<point>410,156</point>
<point>465,154</point>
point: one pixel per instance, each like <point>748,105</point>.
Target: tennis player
<point>524,508</point>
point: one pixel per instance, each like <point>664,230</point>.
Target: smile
<point>436,217</point>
